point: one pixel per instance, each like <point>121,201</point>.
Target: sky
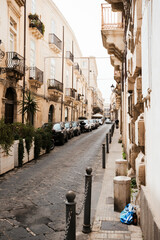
<point>84,17</point>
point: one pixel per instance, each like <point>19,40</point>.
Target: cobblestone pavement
<point>32,198</point>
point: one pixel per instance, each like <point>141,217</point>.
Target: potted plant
<point>6,147</point>
<point>29,107</point>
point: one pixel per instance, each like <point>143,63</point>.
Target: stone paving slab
<point>113,226</point>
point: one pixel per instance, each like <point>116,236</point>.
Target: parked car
<point>93,124</point>
<point>96,123</point>
<point>59,132</point>
<point>108,121</point>
<point>76,128</point>
<point>100,121</point>
<point>85,125</point>
<point>69,128</point>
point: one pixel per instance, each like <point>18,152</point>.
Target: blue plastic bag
<point>126,215</point>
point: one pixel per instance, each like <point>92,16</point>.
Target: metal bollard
<point>70,231</point>
<point>112,130</point>
<point>107,143</point>
<point>110,136</point>
<point>113,127</point>
<point>103,156</point>
<point>87,205</point>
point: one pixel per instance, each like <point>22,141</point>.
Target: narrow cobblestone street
<point>32,198</point>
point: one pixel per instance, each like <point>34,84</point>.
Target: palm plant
<point>29,106</point>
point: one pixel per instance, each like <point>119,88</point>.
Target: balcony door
<point>33,6</point>
<point>32,59</point>
<point>66,114</point>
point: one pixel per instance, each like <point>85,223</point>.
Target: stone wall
<point>150,223</point>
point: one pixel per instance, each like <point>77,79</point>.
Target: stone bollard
<point>121,167</point>
<point>121,192</point>
<point>70,233</point>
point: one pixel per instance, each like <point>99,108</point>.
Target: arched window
<point>9,105</point>
<point>50,113</point>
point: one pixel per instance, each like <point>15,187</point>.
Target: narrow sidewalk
<point>107,225</point>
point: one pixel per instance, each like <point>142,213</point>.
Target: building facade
<point>130,34</point>
<point>39,53</point>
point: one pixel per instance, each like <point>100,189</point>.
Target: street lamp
<point>112,87</point>
<point>15,60</point>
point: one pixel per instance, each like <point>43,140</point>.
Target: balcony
<point>70,95</point>
<point>35,77</point>
<point>69,58</point>
<point>77,98</point>
<point>112,30</point>
<point>36,26</point>
<point>55,89</point>
<point>20,2</point>
<point>55,43</point>
<point>12,70</point>
<point>85,102</point>
<point>76,68</point>
<point>117,5</point>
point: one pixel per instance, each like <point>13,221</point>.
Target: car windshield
<point>74,124</point>
<point>57,126</point>
<point>67,125</point>
<point>91,120</point>
<point>86,121</point>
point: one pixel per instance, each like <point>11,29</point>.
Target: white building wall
<point>150,79</point>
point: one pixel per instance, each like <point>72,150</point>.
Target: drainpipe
<point>24,70</point>
<point>62,72</point>
<point>72,80</point>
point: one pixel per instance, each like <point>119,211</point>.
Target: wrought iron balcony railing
<point>69,56</point>
<point>86,101</point>
<point>10,65</point>
<point>20,2</point>
<point>69,92</point>
<point>36,74</point>
<point>35,22</point>
<point>54,84</point>
<point>76,67</point>
<point>78,97</point>
<point>53,39</point>
<point>80,71</point>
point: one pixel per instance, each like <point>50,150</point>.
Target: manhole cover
<point>113,226</point>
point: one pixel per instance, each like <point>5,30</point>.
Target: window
<point>130,104</point>
<point>12,35</point>
<point>84,64</point>
<point>67,79</point>
<point>33,7</point>
<point>53,26</point>
<point>32,54</point>
<point>12,42</point>
<point>53,69</point>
